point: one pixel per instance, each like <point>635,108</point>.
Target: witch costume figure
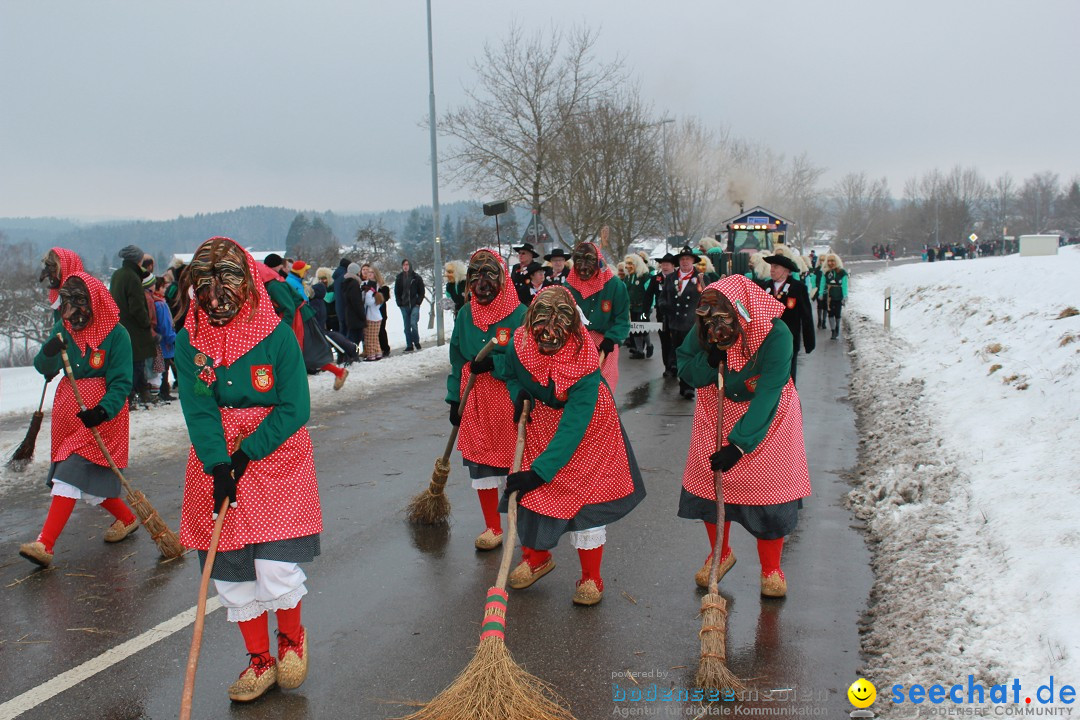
<point>57,265</point>
<point>487,434</point>
<point>578,473</point>
<point>602,296</point>
<point>763,457</point>
<point>99,350</point>
<point>244,392</point>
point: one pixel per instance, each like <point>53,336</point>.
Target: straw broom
<point>432,507</point>
<point>166,539</point>
<point>25,452</point>
<point>712,668</point>
<point>492,686</point>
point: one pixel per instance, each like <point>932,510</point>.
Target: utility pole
<point>437,254</point>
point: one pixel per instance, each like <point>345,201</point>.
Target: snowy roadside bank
<point>967,476</point>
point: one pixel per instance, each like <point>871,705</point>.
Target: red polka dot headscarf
<point>254,321</point>
<point>576,359</point>
<point>505,302</point>
<point>103,307</point>
<point>596,283</point>
<point>755,310</point>
<point>70,263</point>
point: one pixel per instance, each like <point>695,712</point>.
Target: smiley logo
<point>862,693</point>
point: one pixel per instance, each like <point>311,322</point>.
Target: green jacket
<point>127,290</point>
<point>833,283</point>
<point>287,301</point>
<point>613,323</point>
<point>467,340</point>
<point>579,407</point>
<point>770,365</point>
<point>233,386</point>
<point>637,287</point>
<point>117,368</point>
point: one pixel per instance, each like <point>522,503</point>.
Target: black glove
<point>93,417</point>
<point>53,347</point>
<point>239,460</point>
<point>717,356</point>
<point>606,346</point>
<point>522,482</point>
<point>455,414</point>
<point>519,405</point>
<point>482,366</point>
<point>725,458</point>
<point>224,486</point>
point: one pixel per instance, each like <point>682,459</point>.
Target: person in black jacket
<point>537,281</point>
<point>339,294</point>
<point>353,299</point>
<point>798,313</point>
<point>681,292</point>
<point>656,293</point>
<point>409,294</point>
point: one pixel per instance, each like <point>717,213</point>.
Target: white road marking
<point>69,679</point>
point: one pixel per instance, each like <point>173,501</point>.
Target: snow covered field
<point>20,392</point>
<point>969,482</point>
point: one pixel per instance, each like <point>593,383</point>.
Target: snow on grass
<point>968,480</point>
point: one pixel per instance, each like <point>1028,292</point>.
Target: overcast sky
<point>156,109</point>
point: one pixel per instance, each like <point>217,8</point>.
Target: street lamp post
<point>440,333</point>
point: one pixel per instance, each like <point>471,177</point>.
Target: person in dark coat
<point>127,290</point>
<point>798,314</point>
<point>656,293</point>
<point>519,273</point>
<point>339,295</point>
<point>680,295</point>
<point>409,295</point>
<point>353,298</point>
<point>537,281</point>
<point>558,272</point>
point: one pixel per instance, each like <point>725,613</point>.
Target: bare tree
<point>696,161</point>
<point>610,165</point>
<point>24,311</point>
<point>530,90</point>
<point>1035,202</point>
<point>863,212</point>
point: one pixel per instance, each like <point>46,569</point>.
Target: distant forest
<point>259,228</point>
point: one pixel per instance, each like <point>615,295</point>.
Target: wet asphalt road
<point>394,612</point>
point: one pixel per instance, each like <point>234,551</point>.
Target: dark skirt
<point>541,532</point>
<point>317,351</point>
<point>239,565</point>
<point>478,470</point>
<point>89,477</point>
<point>765,522</point>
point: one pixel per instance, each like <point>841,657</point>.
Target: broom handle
<point>43,391</point>
<point>511,503</point>
<point>718,480</point>
<point>484,352</point>
<point>82,406</point>
<point>200,614</point>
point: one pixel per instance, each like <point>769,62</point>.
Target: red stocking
<point>769,553</point>
<point>334,369</point>
<point>590,565</point>
<point>288,622</point>
<point>535,558</point>
<point>256,635</point>
<point>119,510</point>
<point>59,512</point>
<point>489,505</point>
<point>725,549</point>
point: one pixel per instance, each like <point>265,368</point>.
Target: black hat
<point>686,251</point>
<point>557,252</point>
<point>534,267</point>
<point>668,257</point>
<point>526,247</point>
<point>783,261</point>
<point>273,260</point>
